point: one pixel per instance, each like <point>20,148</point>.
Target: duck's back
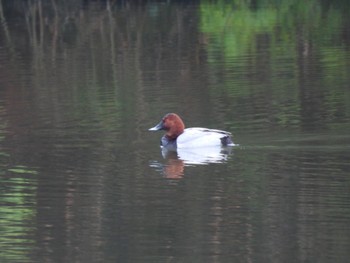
<point>203,137</point>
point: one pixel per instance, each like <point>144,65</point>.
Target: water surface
<point>82,180</point>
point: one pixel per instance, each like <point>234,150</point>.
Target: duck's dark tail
<point>226,141</point>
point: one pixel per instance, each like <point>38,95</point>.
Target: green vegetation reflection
<point>17,213</point>
<point>268,50</point>
<point>17,201</point>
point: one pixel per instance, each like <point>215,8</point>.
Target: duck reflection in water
<point>176,160</point>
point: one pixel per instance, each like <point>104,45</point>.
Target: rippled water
<point>82,179</point>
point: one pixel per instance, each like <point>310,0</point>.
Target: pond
<point>82,178</point>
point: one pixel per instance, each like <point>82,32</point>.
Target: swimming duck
<point>177,136</point>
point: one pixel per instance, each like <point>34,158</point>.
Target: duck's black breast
<point>169,144</point>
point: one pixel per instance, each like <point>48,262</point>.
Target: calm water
<point>81,178</point>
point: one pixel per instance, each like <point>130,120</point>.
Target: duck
<point>177,136</point>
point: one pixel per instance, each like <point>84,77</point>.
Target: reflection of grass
<point>233,29</point>
<point>235,26</point>
<point>262,55</point>
<point>16,210</point>
<point>17,204</point>
<point>22,170</point>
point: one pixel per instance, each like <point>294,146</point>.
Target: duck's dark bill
<point>158,127</point>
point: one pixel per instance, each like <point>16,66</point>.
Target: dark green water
<point>81,178</point>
